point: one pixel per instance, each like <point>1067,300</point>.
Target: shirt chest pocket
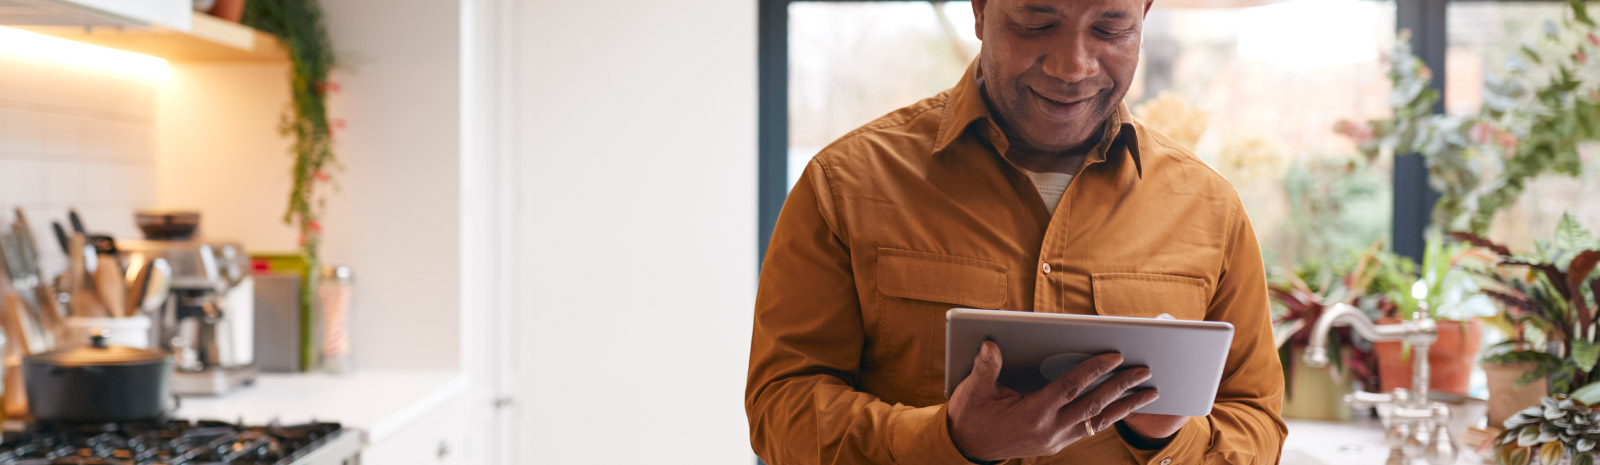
<point>915,289</point>
<point>1148,295</point>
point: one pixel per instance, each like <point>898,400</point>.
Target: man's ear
<point>977,15</point>
<point>1147,5</point>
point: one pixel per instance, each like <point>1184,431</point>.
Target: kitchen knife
<point>53,320</point>
<point>22,287</point>
<point>61,237</point>
<point>77,223</point>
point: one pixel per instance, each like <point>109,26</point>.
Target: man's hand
<point>991,422</point>
<point>1155,428</point>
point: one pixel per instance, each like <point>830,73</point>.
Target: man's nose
<point>1071,61</point>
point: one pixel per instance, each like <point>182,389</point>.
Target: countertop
<point>1359,442</point>
<point>376,403</point>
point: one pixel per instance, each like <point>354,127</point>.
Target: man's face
<point>1054,70</point>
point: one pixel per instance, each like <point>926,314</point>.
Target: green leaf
<point>1519,456</point>
<point>1532,55</point>
<point>1528,437</point>
<point>1583,459</point>
<point>1580,13</point>
<point>1570,235</point>
<point>1589,394</point>
<point>1585,354</point>
<point>1519,356</point>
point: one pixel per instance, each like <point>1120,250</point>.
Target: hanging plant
<point>299,26</point>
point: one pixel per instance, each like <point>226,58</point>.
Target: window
<point>851,62</point>
<point>1483,36</point>
<point>1255,90</point>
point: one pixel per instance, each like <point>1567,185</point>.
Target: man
<point>1026,187</point>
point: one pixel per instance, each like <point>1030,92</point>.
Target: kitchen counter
<point>1359,442</point>
<point>378,404</point>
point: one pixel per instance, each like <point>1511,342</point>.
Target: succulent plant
<point>1559,427</point>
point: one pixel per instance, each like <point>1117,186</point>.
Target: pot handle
<point>177,402</point>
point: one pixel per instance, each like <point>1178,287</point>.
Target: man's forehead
<point>1051,7</point>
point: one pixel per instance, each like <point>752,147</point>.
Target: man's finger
<point>1122,408</point>
<point>1092,404</point>
<point>1069,386</point>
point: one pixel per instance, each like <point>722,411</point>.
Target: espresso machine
<point>208,322</point>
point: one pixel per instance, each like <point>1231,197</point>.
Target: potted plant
<point>1557,430</point>
<point>1442,289</point>
<point>1548,302</point>
<point>1298,300</point>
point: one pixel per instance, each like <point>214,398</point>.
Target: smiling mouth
<point>1060,107</point>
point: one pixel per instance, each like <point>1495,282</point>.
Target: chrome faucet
<point>1416,426</point>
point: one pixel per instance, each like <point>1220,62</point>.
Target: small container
<point>335,291</point>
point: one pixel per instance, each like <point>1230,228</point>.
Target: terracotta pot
<point>1505,397</point>
<point>231,10</point>
<point>1450,360</point>
<point>1316,393</point>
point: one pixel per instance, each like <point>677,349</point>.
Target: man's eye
<point>1109,33</point>
<point>1037,29</point>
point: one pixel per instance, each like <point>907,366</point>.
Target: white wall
<point>638,191</point>
<point>221,153</point>
<point>75,137</point>
<point>393,212</point>
<point>395,216</point>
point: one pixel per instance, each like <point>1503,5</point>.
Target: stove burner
<point>164,443</point>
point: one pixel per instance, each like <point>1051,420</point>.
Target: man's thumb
<point>986,366</point>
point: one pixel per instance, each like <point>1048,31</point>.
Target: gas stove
<point>181,442</point>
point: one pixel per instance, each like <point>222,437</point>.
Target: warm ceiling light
<point>40,47</point>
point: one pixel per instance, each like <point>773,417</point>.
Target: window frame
<point>1413,199</point>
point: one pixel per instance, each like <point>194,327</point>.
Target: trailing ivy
<point>298,24</point>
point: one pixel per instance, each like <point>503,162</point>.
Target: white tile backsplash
<point>75,138</point>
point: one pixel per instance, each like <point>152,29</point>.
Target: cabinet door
<point>173,14</point>
<point>437,437</point>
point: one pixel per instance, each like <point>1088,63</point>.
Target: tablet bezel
<point>1180,353</point>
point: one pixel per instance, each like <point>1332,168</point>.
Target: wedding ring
<point>1088,428</point>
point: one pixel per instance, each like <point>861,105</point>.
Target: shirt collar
<point>965,105</point>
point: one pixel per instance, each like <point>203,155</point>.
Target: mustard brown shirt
<point>919,212</point>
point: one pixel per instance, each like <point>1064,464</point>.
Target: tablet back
<point>1185,357</point>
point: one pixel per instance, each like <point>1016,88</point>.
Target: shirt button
<point>1046,269</point>
<point>1166,462</point>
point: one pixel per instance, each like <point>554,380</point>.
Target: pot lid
<point>98,353</point>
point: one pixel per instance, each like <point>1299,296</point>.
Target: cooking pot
<point>99,383</point>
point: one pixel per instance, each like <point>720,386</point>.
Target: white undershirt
<point>1051,187</point>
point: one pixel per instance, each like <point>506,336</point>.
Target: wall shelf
<point>210,39</point>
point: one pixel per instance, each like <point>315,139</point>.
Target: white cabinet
<point>438,437</point>
<point>405,418</point>
<point>170,14</point>
<point>173,14</point>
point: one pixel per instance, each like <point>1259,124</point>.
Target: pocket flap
<point>1148,295</point>
<point>941,278</point>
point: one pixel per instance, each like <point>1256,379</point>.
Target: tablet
<point>1185,357</point>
